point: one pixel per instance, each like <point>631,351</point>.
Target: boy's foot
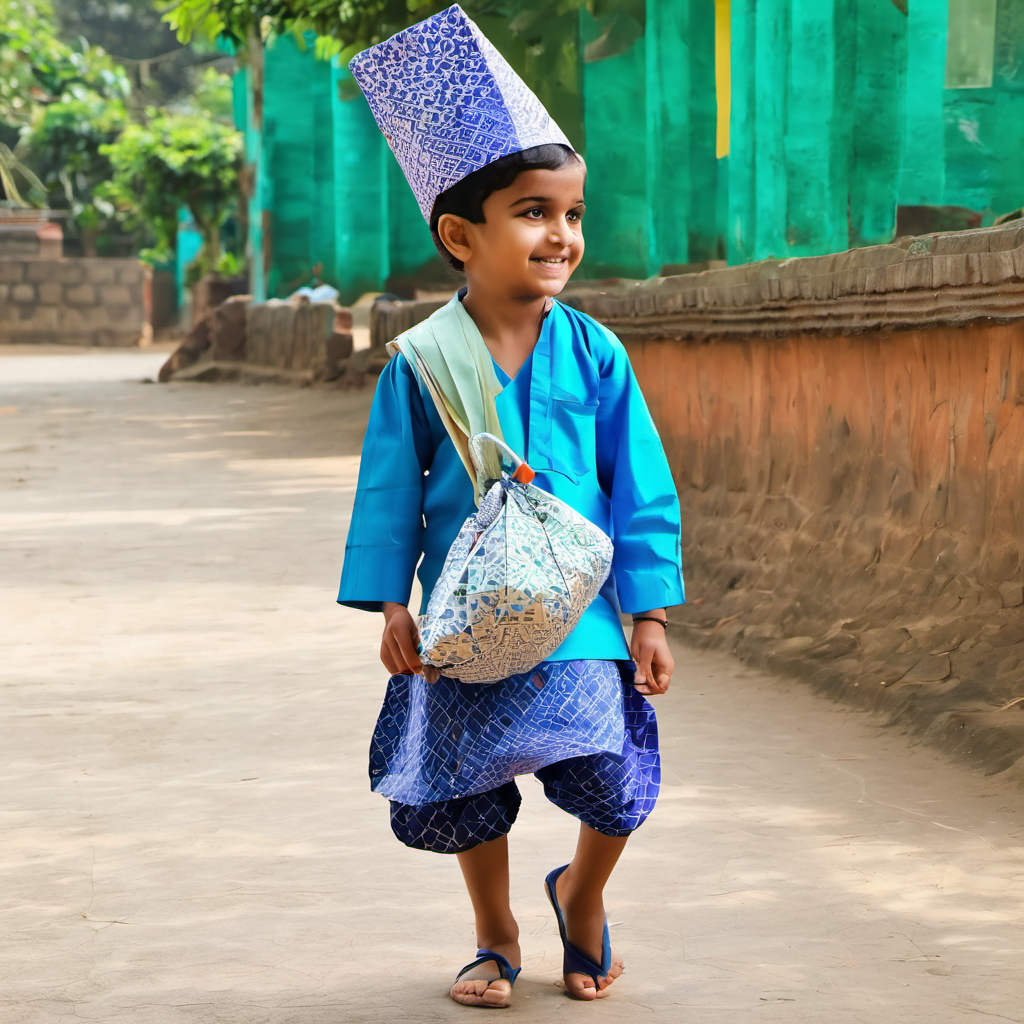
<point>483,985</point>
<point>584,924</point>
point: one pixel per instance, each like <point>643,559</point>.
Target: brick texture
<point>73,301</point>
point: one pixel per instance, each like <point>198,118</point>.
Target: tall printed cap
<point>448,103</point>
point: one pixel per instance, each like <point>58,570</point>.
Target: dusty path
<point>186,830</point>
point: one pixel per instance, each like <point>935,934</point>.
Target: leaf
<point>620,33</point>
<point>9,164</point>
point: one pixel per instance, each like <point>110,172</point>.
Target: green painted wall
<point>816,126</point>
<point>840,112</point>
<point>984,127</point>
<point>922,176</point>
<point>616,227</point>
<point>649,113</point>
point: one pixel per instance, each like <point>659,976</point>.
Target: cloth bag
<point>517,578</point>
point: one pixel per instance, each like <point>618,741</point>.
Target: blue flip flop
<point>574,960</point>
<point>506,971</point>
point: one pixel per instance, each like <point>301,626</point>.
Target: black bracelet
<point>650,618</point>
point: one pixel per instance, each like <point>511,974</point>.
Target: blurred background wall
<point>714,130</point>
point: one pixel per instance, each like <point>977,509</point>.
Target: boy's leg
<point>485,870</point>
<point>580,891</point>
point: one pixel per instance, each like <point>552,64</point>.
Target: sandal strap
<point>506,972</point>
<point>574,960</point>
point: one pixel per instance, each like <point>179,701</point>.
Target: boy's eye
<point>534,214</point>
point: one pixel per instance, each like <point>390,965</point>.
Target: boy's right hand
<point>398,646</point>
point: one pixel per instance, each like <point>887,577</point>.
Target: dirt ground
<point>187,833</point>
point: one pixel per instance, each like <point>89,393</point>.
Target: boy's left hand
<point>654,664</point>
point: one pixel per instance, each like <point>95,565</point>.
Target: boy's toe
<point>581,986</point>
<point>482,992</point>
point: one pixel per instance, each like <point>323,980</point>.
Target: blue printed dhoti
<point>446,754</point>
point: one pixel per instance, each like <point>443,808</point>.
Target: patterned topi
<point>448,103</point>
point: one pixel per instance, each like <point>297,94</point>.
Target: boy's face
<point>532,236</point>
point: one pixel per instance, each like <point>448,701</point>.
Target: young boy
<point>503,192</point>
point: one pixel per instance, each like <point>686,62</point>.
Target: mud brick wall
<point>73,301</point>
<point>847,435</point>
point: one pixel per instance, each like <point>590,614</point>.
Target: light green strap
<point>453,362</point>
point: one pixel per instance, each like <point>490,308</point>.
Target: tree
<point>344,27</point>
<point>36,66</point>
<point>65,146</point>
<point>172,161</point>
<point>162,71</point>
<point>37,70</point>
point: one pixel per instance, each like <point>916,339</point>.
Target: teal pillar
<point>876,142</point>
<point>705,235</point>
<point>816,133</point>
<point>617,224</point>
<point>409,243</point>
<point>682,173</point>
<point>322,241</point>
<point>740,171</point>
<point>298,162</point>
<point>771,60</point>
<point>922,178</point>
<point>669,128</point>
<point>361,207</point>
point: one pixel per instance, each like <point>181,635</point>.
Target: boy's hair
<point>466,197</point>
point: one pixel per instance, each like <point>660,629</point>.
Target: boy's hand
<point>654,664</point>
<point>399,643</point>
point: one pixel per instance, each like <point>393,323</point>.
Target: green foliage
<point>211,97</point>
<point>134,33</point>
<point>64,146</point>
<point>343,27</point>
<point>175,160</point>
<point>36,67</point>
<point>37,71</point>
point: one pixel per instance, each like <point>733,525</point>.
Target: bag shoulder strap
<point>453,363</point>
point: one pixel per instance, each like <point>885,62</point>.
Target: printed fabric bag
<point>517,578</point>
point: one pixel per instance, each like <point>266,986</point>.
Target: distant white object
<point>321,293</point>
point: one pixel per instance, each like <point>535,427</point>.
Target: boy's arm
<point>385,536</point>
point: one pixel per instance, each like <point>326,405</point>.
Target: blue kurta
<point>580,421</point>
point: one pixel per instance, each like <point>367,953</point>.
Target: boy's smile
<point>531,239</point>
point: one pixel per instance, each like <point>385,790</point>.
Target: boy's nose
<point>562,234</point>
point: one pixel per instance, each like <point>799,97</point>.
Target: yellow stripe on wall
<point>723,74</point>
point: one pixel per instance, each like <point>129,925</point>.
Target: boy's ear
<point>453,232</point>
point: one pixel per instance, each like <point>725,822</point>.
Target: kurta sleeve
<point>633,471</point>
<point>385,536</point>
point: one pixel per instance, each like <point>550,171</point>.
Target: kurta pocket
<point>574,435</point>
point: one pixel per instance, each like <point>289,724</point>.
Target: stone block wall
<point>73,301</point>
